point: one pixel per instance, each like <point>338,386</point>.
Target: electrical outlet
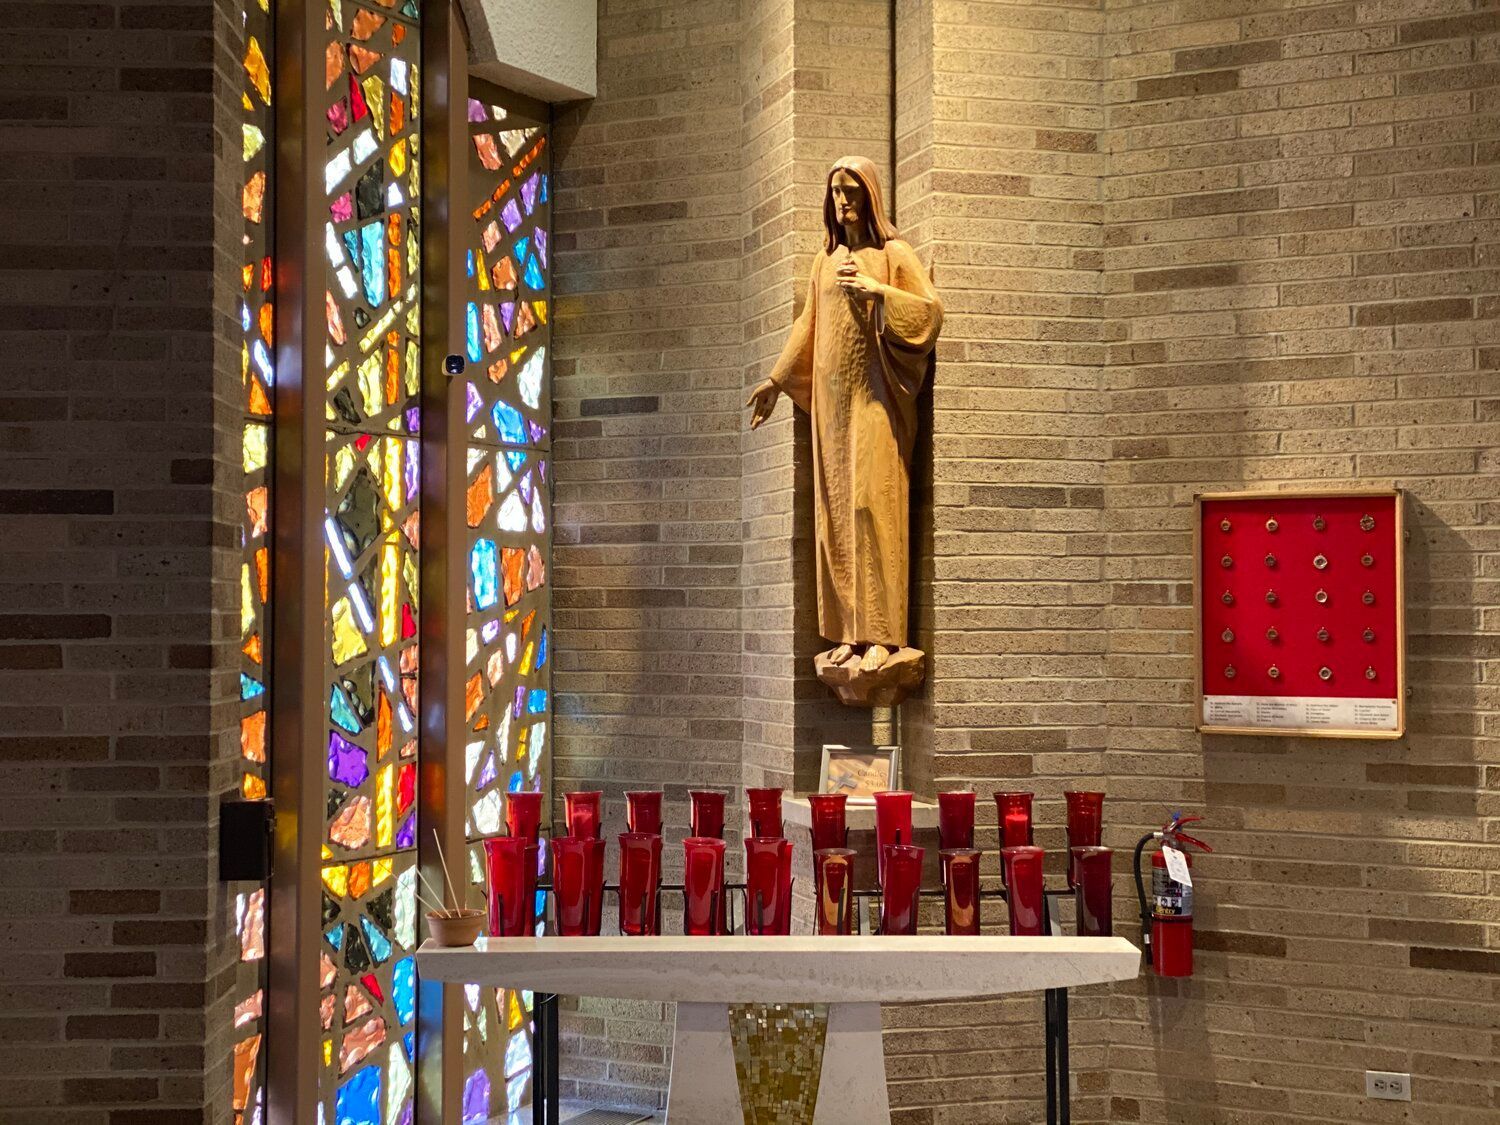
<point>1387,1084</point>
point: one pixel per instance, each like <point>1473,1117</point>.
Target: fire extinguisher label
<point>1171,899</point>
<point>1177,865</point>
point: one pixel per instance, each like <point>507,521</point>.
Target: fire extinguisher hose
<point>1140,894</point>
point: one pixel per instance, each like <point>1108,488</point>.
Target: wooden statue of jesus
<point>855,361</point>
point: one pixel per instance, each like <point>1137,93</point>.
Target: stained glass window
<point>256,391</point>
<point>371,241</point>
<point>507,629</point>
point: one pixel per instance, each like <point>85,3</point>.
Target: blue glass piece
<point>372,265</point>
<point>509,425</point>
<point>409,1041</point>
<point>517,1055</point>
<point>471,333</point>
<point>351,243</point>
<point>380,945</point>
<point>250,687</point>
<point>470,266</point>
<point>533,274</point>
<point>515,458</point>
<point>515,782</point>
<point>536,702</point>
<point>335,937</point>
<point>541,649</point>
<point>520,248</point>
<point>545,185</point>
<point>340,711</point>
<point>404,989</point>
<point>358,1100</point>
<point>483,563</point>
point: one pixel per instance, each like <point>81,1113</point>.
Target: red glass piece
<point>1023,889</point>
<point>765,813</point>
<point>643,811</point>
<point>833,874</point>
<point>961,890</point>
<point>899,897</point>
<point>578,885</point>
<point>512,890</point>
<point>1085,824</point>
<point>768,885</point>
<point>1094,891</point>
<point>892,825</point>
<point>828,820</point>
<point>523,815</point>
<point>955,820</point>
<point>703,886</point>
<point>707,813</point>
<point>1013,812</point>
<point>581,812</point>
<point>640,882</point>
<point>372,985</point>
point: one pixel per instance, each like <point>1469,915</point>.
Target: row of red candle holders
<point>578,865</point>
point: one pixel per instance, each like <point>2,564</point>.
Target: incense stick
<point>448,877</point>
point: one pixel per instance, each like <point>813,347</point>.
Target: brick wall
<point>1300,277</point>
<point>115,532</point>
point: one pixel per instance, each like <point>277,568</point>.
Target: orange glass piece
<point>398,114</point>
<point>253,198</point>
<point>257,70</point>
<point>252,647</point>
<point>498,370</point>
<point>489,152</point>
<point>259,403</point>
<point>326,1009</point>
<point>333,64</point>
<point>525,319</point>
<point>366,23</point>
<point>512,560</point>
<point>249,1009</point>
<point>252,788</point>
<point>245,1053</point>
<point>536,570</point>
<point>481,495</point>
<point>496,666</point>
<point>335,320</point>
<point>360,1042</point>
<point>253,737</point>
<point>356,1003</point>
<point>383,726</point>
<point>256,505</point>
<point>361,59</point>
<point>359,880</point>
<point>326,972</point>
<point>263,573</point>
<point>503,274</point>
<point>473,695</point>
<point>351,828</point>
<point>253,927</point>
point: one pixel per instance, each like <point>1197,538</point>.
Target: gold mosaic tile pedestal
<point>778,1059</point>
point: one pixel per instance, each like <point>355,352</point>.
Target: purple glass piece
<point>476,110</point>
<point>487,772</point>
<point>508,314</point>
<point>520,700</point>
<point>528,192</point>
<point>406,835</point>
<point>475,404</point>
<point>413,477</point>
<point>490,631</point>
<point>347,762</point>
<point>414,419</point>
<point>526,487</point>
<point>406,1116</point>
<point>510,215</point>
<point>476,1105</point>
<point>539,240</point>
<point>537,432</point>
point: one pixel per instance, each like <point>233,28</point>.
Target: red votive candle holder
<point>833,871</point>
<point>899,899</point>
<point>961,890</point>
<point>703,886</point>
<point>1014,817</point>
<point>581,813</point>
<point>828,820</point>
<point>892,825</point>
<point>707,819</point>
<point>511,861</point>
<point>1085,825</point>
<point>1023,889</point>
<point>765,813</point>
<point>955,821</point>
<point>640,882</point>
<point>523,815</point>
<point>768,876</point>
<point>643,811</point>
<point>578,885</point>
<point>1094,891</point>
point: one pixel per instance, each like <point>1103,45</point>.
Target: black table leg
<point>1064,1072</point>
<point>545,1086</point>
<point>1049,1004</point>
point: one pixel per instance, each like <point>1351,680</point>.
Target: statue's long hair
<point>879,228</point>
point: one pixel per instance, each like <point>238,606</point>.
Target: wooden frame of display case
<point>1265,508</point>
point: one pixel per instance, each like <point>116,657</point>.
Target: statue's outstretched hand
<point>762,401</point>
<point>860,286</point>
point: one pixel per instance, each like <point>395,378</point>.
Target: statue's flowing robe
<point>856,367</point>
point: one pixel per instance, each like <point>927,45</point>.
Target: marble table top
<point>794,969</point>
<point>858,816</point>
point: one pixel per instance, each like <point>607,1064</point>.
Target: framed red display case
<point>1300,613</point>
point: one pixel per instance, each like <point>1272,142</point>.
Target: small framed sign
<point>860,773</point>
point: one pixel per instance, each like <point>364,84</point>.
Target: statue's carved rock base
<point>887,686</point>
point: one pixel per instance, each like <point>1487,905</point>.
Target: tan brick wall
<point>1301,292</point>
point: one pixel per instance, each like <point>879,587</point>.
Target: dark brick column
<point>115,689</point>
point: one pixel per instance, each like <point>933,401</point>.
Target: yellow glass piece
<point>390,592</point>
<point>526,658</point>
<point>480,272</point>
<point>370,384</point>
<point>327,852</point>
<point>397,159</point>
<point>385,807</point>
<point>336,879</point>
<point>328,1052</point>
<point>381,869</point>
<point>391,476</point>
<point>378,329</point>
<point>246,104</point>
<point>343,465</point>
<point>347,642</point>
<point>375,94</point>
<point>336,376</point>
<point>253,788</point>
<point>256,439</point>
<point>247,601</point>
<point>253,140</point>
<point>336,13</point>
<point>409,572</point>
<point>413,368</point>
<point>516,1017</point>
<point>257,70</point>
<point>517,354</point>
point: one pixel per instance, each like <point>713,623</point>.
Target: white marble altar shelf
<point>797,969</point>
<point>857,817</point>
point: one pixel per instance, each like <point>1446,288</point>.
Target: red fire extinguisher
<point>1167,922</point>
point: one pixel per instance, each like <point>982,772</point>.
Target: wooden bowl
<point>459,928</point>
